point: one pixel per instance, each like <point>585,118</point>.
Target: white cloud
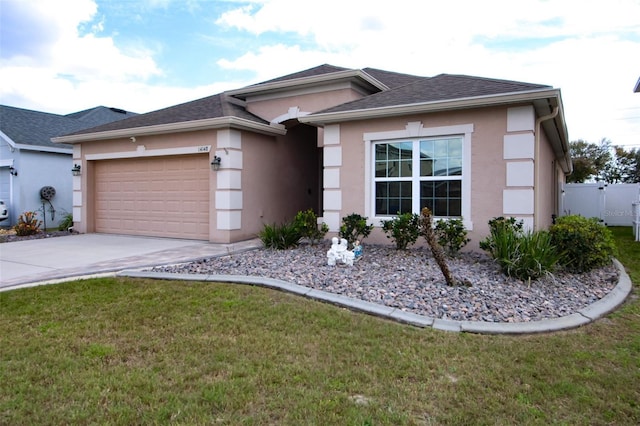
<point>65,63</point>
<point>586,48</point>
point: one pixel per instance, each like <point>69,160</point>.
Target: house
<point>336,140</point>
<point>29,161</point>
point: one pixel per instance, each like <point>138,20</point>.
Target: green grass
<point>134,351</point>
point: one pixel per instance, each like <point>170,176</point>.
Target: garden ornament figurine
<point>357,249</point>
<point>339,253</point>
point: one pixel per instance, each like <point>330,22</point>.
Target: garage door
<point>155,196</point>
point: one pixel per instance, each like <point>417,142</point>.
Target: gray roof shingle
<point>403,89</point>
<point>36,128</point>
<point>215,106</point>
<point>442,87</point>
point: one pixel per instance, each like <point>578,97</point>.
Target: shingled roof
<point>387,89</point>
<point>442,87</point>
<point>311,72</point>
<point>36,128</point>
<point>215,106</point>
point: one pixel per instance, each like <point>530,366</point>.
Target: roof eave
<point>42,148</point>
<point>39,148</point>
<point>185,126</point>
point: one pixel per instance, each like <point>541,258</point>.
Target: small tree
<point>426,230</point>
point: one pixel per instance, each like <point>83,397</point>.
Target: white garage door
<point>155,196</point>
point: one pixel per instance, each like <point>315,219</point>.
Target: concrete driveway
<point>35,261</point>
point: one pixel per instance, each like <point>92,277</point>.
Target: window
<point>412,174</point>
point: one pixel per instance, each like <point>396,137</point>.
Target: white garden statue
<point>339,253</point>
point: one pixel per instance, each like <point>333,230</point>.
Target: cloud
<point>585,48</point>
<point>45,56</point>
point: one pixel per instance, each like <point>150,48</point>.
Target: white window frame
<point>411,132</point>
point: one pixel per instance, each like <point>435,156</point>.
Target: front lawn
<point>133,351</point>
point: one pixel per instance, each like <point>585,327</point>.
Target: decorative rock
<point>418,287</point>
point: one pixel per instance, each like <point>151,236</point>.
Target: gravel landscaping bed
<point>412,281</point>
<point>9,235</point>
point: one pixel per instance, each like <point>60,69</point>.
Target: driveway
<point>36,261</point>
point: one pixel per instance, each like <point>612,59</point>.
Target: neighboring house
<point>29,161</point>
<point>336,140</point>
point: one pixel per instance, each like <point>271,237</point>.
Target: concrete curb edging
<point>584,316</point>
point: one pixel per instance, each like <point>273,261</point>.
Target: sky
<point>65,56</point>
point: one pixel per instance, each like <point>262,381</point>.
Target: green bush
<point>403,229</point>
<point>28,224</point>
<point>523,255</point>
<point>451,235</point>
<point>66,222</point>
<point>280,237</point>
<point>306,222</point>
<point>584,243</point>
<point>496,226</point>
<point>354,227</point>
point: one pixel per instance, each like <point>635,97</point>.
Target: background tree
<point>589,160</point>
<point>624,166</point>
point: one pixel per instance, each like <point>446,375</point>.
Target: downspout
<point>536,183</point>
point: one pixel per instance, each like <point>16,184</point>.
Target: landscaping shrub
<point>354,227</point>
<point>306,222</point>
<point>523,255</point>
<point>451,235</point>
<point>66,222</point>
<point>28,224</point>
<point>403,229</point>
<point>584,243</point>
<point>280,237</point>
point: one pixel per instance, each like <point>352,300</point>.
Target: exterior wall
<point>280,177</point>
<point>262,179</point>
<point>271,108</point>
<point>170,144</point>
<point>500,173</point>
<point>548,181</point>
<point>35,169</point>
<point>7,181</point>
<point>519,152</point>
<point>45,169</point>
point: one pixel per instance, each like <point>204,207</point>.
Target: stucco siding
<point>487,172</point>
<point>156,146</point>
<point>269,109</point>
<point>280,177</point>
<point>547,185</point>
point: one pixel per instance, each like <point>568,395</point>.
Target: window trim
<point>414,130</point>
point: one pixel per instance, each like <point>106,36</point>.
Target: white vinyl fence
<point>612,204</point>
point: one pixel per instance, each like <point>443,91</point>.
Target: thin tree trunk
<point>436,249</point>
